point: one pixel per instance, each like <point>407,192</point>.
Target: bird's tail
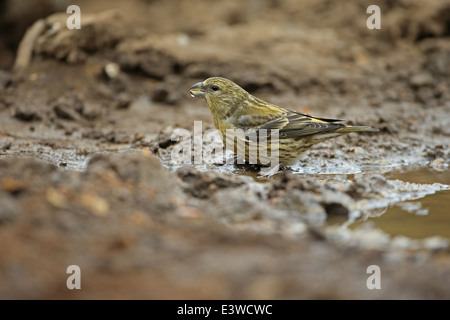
<point>336,133</point>
<point>348,129</point>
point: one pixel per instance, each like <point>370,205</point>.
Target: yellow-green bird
<point>234,108</point>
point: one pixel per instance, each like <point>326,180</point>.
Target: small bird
<point>234,108</point>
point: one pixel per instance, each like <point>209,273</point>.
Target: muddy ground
<point>86,178</point>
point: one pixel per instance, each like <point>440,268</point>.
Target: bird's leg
<point>270,171</point>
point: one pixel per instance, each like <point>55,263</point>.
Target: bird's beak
<point>197,90</point>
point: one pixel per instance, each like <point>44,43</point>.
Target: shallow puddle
<point>421,218</point>
<point>416,210</point>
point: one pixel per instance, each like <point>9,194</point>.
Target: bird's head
<point>223,96</point>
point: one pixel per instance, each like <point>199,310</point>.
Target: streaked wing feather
<point>269,121</point>
<point>290,123</point>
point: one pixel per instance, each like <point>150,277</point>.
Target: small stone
<point>95,204</point>
<point>56,198</point>
<point>26,113</point>
<point>65,112</point>
<point>435,243</point>
<point>7,146</point>
<point>112,70</point>
<point>421,79</point>
<point>402,242</point>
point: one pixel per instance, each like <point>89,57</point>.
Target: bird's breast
<point>223,125</point>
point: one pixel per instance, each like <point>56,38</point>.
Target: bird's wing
<point>289,123</point>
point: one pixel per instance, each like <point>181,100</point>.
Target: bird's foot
<point>271,171</point>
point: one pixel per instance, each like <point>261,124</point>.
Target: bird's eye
<point>214,88</point>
